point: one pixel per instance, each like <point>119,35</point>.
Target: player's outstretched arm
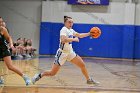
<point>82,35</point>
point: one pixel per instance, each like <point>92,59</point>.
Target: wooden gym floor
<point>115,76</point>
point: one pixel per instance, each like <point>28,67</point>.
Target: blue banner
<point>89,2</point>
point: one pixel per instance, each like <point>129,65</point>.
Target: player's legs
<point>80,63</point>
<point>52,72</point>
<point>10,66</point>
<point>55,68</point>
<point>60,59</point>
<point>13,68</point>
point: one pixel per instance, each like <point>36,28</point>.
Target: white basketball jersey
<point>67,47</point>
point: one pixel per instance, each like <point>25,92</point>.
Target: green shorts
<point>4,52</point>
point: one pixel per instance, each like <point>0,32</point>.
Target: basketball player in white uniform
<point>66,53</point>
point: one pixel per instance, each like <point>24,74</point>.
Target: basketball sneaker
<point>27,80</point>
<point>1,80</point>
<point>36,78</point>
<point>92,81</point>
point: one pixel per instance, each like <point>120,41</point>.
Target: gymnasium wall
<point>23,18</point>
<point>118,22</point>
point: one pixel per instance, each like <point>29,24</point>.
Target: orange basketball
<point>95,32</point>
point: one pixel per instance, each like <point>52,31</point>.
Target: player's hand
<point>89,34</point>
<point>11,46</point>
<point>76,39</point>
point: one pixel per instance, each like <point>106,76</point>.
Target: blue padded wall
<point>116,41</point>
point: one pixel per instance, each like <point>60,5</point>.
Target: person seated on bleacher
<point>29,48</point>
<point>20,47</point>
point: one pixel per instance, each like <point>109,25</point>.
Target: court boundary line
<point>73,87</point>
